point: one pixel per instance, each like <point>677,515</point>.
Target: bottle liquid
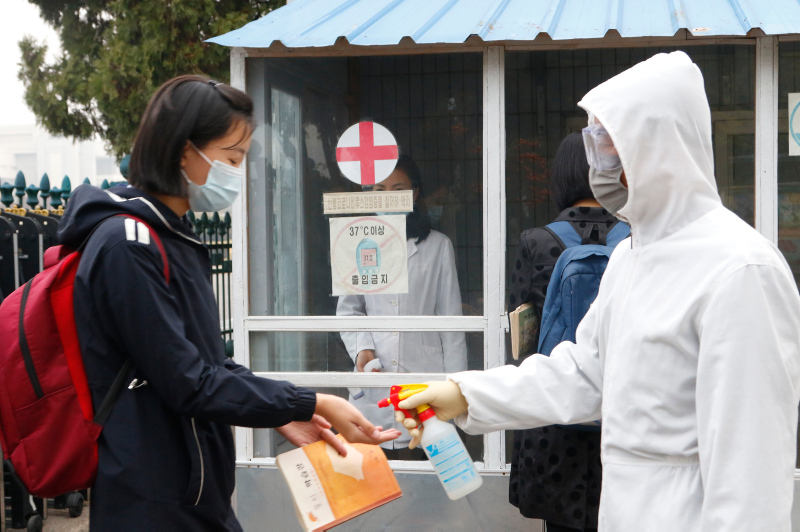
<point>447,453</point>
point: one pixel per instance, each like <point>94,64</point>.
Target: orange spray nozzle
<point>399,393</point>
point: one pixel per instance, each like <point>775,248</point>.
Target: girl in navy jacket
<point>166,453</point>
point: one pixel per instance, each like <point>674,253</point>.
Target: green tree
<point>115,53</point>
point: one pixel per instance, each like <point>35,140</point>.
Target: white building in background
<point>34,151</point>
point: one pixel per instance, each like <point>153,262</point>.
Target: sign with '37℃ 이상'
<point>369,255</point>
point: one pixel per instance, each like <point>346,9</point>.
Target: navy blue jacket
<point>166,453</point>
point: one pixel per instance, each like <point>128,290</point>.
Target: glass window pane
<point>399,352</point>
<point>432,105</point>
<point>268,443</point>
<point>287,202</point>
<point>789,165</point>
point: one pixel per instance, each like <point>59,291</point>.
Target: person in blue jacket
<point>166,453</point>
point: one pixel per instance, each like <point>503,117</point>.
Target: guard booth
<point>479,94</point>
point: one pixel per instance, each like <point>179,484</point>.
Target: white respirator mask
<point>605,167</point>
<point>222,186</point>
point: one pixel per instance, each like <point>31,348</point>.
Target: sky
<point>20,18</point>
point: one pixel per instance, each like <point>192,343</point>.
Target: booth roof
<point>317,23</point>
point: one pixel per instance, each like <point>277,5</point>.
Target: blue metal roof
<point>312,23</point>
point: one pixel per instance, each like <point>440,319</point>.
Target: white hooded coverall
<point>691,351</point>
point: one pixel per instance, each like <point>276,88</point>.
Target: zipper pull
<point>135,383</point>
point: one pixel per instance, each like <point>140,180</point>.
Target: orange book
<point>328,489</point>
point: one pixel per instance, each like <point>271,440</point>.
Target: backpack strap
<point>568,236</point>
<point>23,343</point>
<point>564,233</point>
<point>101,416</point>
<point>618,233</point>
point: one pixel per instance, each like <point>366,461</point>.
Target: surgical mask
<point>435,212</point>
<point>607,188</point>
<point>222,186</point>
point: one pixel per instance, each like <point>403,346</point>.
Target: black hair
<point>569,175</point>
<point>185,108</point>
<point>418,224</point>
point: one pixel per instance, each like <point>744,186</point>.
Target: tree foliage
<point>115,53</point>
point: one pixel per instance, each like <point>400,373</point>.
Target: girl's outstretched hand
<point>350,422</point>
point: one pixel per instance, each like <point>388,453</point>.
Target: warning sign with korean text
<point>388,201</point>
<point>369,255</point>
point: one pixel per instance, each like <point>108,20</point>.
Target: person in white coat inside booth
<point>691,352</point>
<point>433,290</point>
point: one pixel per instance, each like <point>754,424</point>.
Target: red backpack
<point>48,427</point>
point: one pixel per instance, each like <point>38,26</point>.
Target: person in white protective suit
<point>691,352</point>
<point>433,290</point>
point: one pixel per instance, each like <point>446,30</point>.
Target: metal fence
<point>29,223</point>
<point>215,232</point>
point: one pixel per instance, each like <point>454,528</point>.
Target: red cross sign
<point>366,153</point>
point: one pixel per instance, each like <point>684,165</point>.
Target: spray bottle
<point>441,444</point>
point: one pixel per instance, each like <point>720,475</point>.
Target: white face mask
<point>607,188</point>
<point>222,186</point>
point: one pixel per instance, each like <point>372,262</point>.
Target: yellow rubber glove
<point>444,397</point>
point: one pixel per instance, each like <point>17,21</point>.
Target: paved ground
<point>60,521</point>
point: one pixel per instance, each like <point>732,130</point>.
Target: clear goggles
<point>600,150</point>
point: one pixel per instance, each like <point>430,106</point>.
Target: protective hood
<point>657,114</point>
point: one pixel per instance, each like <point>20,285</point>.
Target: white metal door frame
<point>494,229</point>
<point>766,178</point>
<point>240,261</point>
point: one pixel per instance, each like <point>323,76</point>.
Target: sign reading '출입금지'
<point>369,255</point>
